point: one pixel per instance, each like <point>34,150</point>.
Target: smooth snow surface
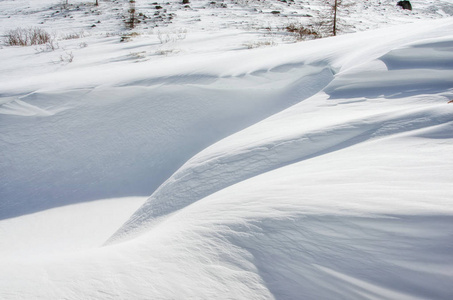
<point>197,168</point>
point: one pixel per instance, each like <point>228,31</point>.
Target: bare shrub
<point>74,35</point>
<point>27,37</point>
<point>68,57</point>
<point>302,32</point>
<point>166,52</point>
<point>48,47</point>
<point>253,45</point>
<point>138,55</point>
<point>127,37</point>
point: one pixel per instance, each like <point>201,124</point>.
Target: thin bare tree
<point>334,9</point>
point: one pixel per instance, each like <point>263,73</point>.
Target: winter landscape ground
<point>211,153</point>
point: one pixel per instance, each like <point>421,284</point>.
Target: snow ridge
<point>221,165</point>
<point>314,170</point>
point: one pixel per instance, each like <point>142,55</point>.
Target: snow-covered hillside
<point>210,155</point>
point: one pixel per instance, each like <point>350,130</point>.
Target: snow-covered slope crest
<point>345,194</point>
<point>336,197</point>
<point>421,67</point>
<point>76,119</point>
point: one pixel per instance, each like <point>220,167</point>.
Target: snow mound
<point>130,156</point>
<point>299,134</point>
<point>316,170</point>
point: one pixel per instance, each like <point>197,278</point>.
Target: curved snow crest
<point>170,124</point>
<point>418,68</point>
<point>283,139</point>
<point>313,79</point>
<point>228,163</point>
<point>21,108</point>
<point>358,206</point>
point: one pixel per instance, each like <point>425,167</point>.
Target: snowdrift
<point>323,173</point>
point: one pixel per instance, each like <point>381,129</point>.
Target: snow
<point>80,226</point>
<point>196,168</point>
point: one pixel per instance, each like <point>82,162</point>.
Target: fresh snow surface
<point>183,165</point>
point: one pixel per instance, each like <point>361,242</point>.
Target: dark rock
<point>405,4</point>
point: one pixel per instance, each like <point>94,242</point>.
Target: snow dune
<point>108,153</point>
<point>305,130</point>
<point>323,173</point>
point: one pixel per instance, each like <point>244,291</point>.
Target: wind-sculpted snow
<point>435,55</point>
<point>115,155</point>
<point>425,68</point>
<point>319,170</point>
<point>326,200</point>
<point>255,151</point>
<point>277,142</point>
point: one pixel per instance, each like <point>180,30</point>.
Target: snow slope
<point>315,170</point>
<point>279,141</point>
